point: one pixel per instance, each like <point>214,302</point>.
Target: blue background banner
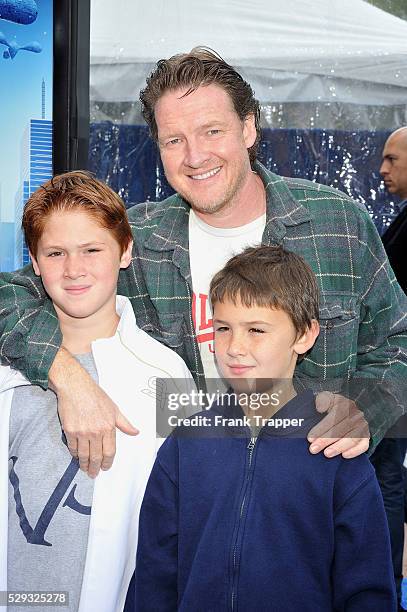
<point>26,64</point>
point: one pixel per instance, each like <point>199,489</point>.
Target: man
<point>389,456</point>
<point>206,122</point>
<point>394,173</point>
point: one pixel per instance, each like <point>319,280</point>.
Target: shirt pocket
<point>334,353</point>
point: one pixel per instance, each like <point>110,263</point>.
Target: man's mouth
<point>206,175</point>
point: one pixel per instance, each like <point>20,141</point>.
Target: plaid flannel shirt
<point>361,349</point>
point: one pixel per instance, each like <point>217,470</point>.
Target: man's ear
<point>35,264</point>
<point>307,340</point>
<point>249,131</point>
<point>125,259</point>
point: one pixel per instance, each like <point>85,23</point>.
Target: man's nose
<point>196,154</point>
<point>385,167</point>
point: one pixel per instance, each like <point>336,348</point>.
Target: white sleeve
<point>10,378</point>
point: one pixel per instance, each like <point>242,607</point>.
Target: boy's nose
<point>236,347</point>
<point>74,268</point>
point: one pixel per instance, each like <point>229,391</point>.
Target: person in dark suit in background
<point>389,456</point>
<point>394,173</point>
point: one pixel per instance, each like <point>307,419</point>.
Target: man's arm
<point>88,416</point>
<point>378,387</point>
<point>157,552</point>
<point>379,384</point>
<point>362,571</point>
<point>29,329</point>
<point>30,342</point>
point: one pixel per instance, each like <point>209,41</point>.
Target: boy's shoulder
<point>149,350</point>
<point>10,378</point>
<point>352,475</point>
<point>168,359</point>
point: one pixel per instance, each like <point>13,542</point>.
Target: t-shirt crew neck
<point>241,230</point>
<point>209,250</point>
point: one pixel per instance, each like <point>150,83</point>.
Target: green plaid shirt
<point>361,349</point>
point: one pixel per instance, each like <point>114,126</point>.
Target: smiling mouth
<point>239,369</point>
<point>77,290</point>
<point>206,175</point>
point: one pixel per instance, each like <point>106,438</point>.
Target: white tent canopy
<point>290,51</point>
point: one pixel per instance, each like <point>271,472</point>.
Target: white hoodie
<point>127,365</point>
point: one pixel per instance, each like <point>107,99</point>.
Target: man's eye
<point>173,142</point>
<point>213,132</point>
<point>221,328</point>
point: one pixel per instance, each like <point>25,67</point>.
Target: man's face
<point>394,165</point>
<point>203,146</point>
<point>79,262</point>
<point>256,343</point>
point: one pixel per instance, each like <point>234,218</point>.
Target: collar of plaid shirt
<point>282,210</point>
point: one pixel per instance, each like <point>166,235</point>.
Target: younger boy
<point>240,516</point>
<point>61,531</point>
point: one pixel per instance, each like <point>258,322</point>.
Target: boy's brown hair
<point>199,67</point>
<point>271,277</point>
<point>77,190</point>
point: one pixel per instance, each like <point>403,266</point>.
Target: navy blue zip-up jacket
<point>229,522</point>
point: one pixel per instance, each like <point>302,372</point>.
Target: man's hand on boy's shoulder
<point>88,416</point>
<point>344,430</point>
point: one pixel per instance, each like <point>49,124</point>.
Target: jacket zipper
<point>250,449</point>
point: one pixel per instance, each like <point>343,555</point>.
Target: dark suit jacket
<point>395,241</point>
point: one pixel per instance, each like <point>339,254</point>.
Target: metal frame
<point>71,85</point>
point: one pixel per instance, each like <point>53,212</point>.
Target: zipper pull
<point>250,448</point>
<point>251,444</point>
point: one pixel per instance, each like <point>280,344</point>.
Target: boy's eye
<point>221,328</point>
<point>93,250</point>
<point>54,254</point>
<point>256,330</point>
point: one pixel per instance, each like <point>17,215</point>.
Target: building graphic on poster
<point>6,242</point>
<point>36,168</point>
<point>26,60</point>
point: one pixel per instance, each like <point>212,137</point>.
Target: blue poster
<point>26,63</point>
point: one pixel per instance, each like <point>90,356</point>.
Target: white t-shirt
<point>209,250</point>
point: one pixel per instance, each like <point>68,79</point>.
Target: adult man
<point>389,456</point>
<point>394,173</point>
<point>206,121</point>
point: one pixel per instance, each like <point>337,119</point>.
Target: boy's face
<point>79,262</point>
<point>257,343</point>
